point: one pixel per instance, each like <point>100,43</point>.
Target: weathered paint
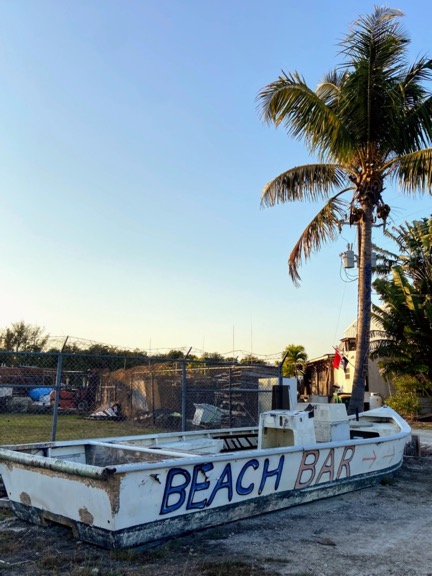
<point>22,458</point>
<point>163,529</point>
<point>309,473</point>
<point>135,501</point>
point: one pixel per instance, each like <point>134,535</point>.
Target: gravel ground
<point>385,530</point>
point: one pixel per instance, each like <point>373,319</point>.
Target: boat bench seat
<point>193,446</point>
<point>370,430</point>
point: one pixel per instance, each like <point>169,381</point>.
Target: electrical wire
<point>340,313</point>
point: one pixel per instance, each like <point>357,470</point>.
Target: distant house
<point>322,379</point>
<point>319,376</point>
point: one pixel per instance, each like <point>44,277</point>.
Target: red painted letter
<point>327,467</point>
<point>307,467</point>
<point>344,463</point>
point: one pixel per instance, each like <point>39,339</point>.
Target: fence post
<point>279,398</point>
<point>57,391</point>
<point>183,396</point>
<point>184,393</point>
<point>230,395</point>
<point>281,367</point>
<point>152,394</point>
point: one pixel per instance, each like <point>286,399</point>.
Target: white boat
<point>128,491</point>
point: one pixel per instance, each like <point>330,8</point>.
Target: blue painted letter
<point>224,481</point>
<point>180,490</point>
<point>196,486</point>
<point>267,473</point>
<point>244,490</point>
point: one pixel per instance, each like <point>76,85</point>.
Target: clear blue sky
<point>132,162</point>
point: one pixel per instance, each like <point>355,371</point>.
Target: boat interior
<point>305,426</point>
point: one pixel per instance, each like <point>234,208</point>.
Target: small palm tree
<point>368,121</point>
<point>295,358</point>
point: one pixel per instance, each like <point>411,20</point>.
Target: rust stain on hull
<point>25,499</point>
<point>109,484</point>
<point>86,517</point>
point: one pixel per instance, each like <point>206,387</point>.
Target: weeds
<point>7,543</point>
<point>277,560</point>
<point>229,568</point>
<point>5,514</point>
<point>51,561</point>
<point>388,481</point>
<point>17,428</point>
<point>140,555</point>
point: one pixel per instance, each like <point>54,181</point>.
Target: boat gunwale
<point>226,432</point>
<point>55,464</point>
<point>104,472</point>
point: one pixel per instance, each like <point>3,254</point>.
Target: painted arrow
<point>373,458</point>
<point>390,455</point>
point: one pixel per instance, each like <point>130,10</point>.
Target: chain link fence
<point>61,395</point>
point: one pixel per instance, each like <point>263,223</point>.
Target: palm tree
<point>295,358</point>
<point>414,244</point>
<point>404,340</point>
<point>368,121</point>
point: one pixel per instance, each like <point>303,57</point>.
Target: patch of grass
<point>138,555</point>
<point>388,481</point>
<point>26,428</point>
<point>73,563</point>
<point>5,513</point>
<point>122,555</point>
<point>8,543</point>
<point>155,554</point>
<point>10,565</point>
<point>421,425</point>
<point>89,571</point>
<point>277,560</point>
<point>231,567</point>
<point>217,533</point>
<point>51,561</point>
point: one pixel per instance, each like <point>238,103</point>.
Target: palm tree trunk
<point>364,310</point>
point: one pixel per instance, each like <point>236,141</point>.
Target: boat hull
<point>160,530</point>
<point>124,492</point>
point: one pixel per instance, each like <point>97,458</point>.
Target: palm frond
<point>413,171</point>
<point>376,52</point>
<point>329,89</point>
<point>417,126</point>
<point>289,101</point>
<point>385,260</point>
<point>310,182</point>
<point>401,281</point>
<point>419,71</point>
<point>378,38</point>
<point>406,339</point>
<point>323,228</point>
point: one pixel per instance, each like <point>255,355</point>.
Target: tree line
<point>402,344</point>
<point>21,338</point>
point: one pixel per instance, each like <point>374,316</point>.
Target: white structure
<point>323,379</point>
<point>344,378</point>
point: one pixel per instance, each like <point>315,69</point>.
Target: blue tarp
<point>36,393</point>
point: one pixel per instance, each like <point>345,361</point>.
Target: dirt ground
<point>385,530</point>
